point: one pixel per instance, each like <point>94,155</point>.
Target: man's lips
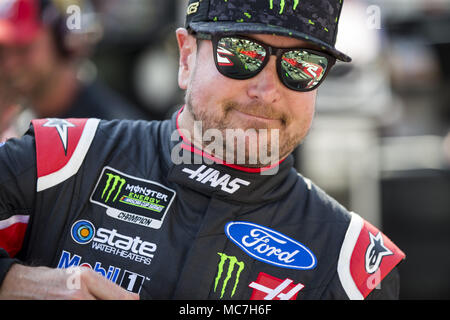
<point>253,116</point>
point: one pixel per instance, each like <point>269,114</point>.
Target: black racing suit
<point>114,196</point>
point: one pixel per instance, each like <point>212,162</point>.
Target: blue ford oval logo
<point>270,246</point>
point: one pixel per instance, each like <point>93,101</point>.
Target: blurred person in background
<point>14,119</point>
<point>44,46</point>
<point>8,112</point>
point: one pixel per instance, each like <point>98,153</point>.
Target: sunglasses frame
<point>271,51</point>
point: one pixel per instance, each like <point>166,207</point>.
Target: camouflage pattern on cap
<point>315,21</point>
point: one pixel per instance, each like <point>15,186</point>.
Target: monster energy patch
<point>132,199</point>
<point>228,273</point>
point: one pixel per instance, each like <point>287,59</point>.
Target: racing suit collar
<point>208,175</point>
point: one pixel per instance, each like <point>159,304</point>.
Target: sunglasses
<point>239,57</point>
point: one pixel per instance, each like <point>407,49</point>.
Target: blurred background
<point>380,142</point>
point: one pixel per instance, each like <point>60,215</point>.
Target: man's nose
<point>266,86</point>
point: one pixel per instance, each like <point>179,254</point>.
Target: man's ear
<point>187,46</point>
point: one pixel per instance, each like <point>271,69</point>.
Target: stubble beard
<point>264,146</point>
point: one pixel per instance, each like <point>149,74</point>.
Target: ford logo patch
<point>270,246</point>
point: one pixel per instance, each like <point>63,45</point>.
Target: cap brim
<point>243,27</point>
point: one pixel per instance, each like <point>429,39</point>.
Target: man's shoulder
<point>365,255</point>
<point>63,145</point>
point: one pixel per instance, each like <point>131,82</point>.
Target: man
<point>151,207</point>
<point>41,59</point>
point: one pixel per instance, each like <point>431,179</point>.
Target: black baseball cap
<point>315,21</point>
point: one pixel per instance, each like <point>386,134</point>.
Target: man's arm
<point>18,176</point>
<point>23,282</point>
<point>17,194</point>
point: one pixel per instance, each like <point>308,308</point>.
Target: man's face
<point>27,68</point>
<point>261,102</point>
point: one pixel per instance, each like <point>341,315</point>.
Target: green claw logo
<point>232,262</point>
<point>283,4</point>
<point>115,179</point>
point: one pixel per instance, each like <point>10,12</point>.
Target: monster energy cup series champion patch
<point>132,199</point>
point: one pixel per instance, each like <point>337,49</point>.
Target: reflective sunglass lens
<point>302,70</point>
<point>239,58</point>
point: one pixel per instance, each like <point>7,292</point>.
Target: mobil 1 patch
<point>132,199</point>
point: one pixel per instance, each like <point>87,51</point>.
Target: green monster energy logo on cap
<point>233,261</point>
<point>283,4</point>
<point>116,180</point>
